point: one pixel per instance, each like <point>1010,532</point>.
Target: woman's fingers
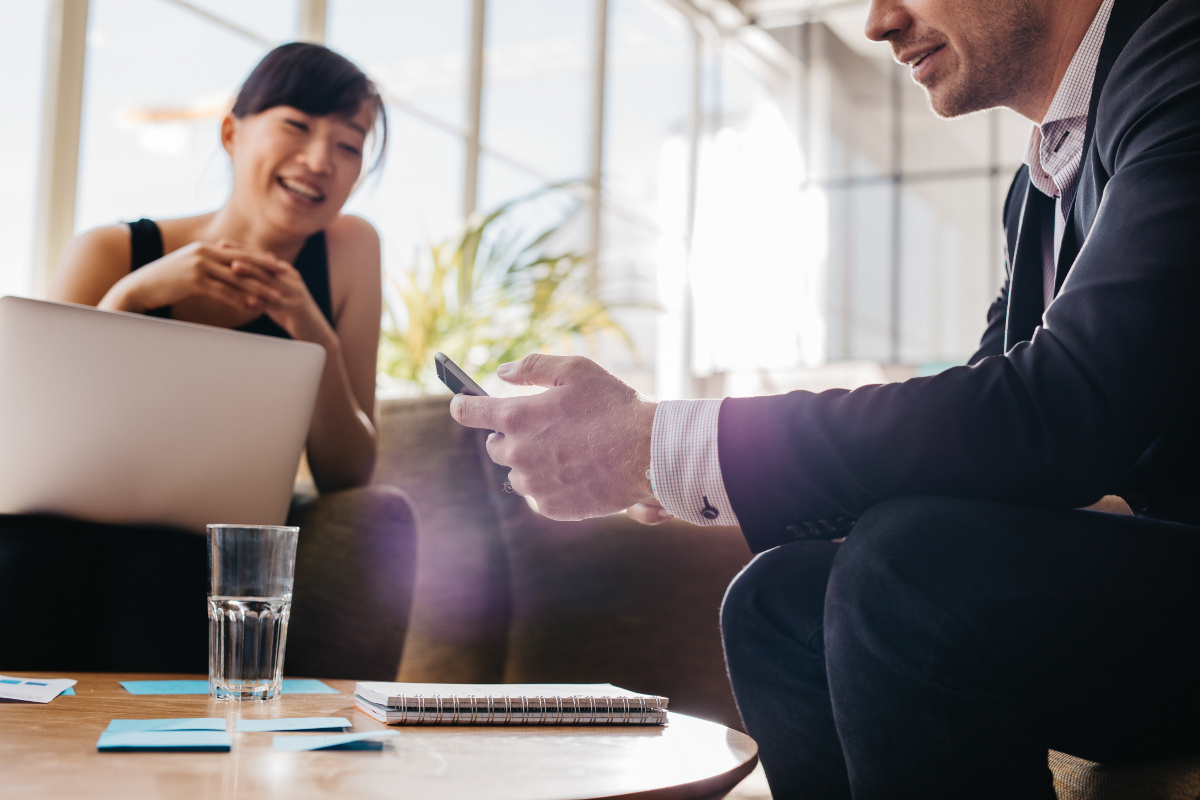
<point>267,261</point>
<point>264,283</point>
<point>231,295</point>
<point>241,266</point>
<point>242,289</point>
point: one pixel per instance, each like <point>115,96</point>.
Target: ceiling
<point>846,18</point>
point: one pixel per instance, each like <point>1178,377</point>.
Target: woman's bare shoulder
<point>106,242</point>
<point>353,238</point>
<point>91,262</point>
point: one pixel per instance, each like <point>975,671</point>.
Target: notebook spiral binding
<point>527,710</point>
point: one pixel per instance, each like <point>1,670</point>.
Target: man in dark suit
<point>973,618</point>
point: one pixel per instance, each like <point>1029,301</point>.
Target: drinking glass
<point>250,573</point>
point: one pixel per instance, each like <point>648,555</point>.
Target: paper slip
<point>33,690</point>
<point>185,724</point>
<point>164,741</point>
<point>293,724</point>
<point>290,686</point>
<point>366,740</point>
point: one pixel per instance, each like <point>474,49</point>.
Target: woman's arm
<point>341,439</point>
<point>95,270</point>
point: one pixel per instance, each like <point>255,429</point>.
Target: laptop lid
<point>126,419</point>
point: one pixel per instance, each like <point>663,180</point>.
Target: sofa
<point>505,595</point>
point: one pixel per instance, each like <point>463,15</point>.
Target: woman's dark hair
<point>315,80</point>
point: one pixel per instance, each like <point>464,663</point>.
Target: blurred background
<point>761,194</point>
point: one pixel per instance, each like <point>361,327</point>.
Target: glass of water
<point>250,572</point>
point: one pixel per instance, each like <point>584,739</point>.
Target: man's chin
<point>947,103</point>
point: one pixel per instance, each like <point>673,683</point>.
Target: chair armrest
<point>355,571</point>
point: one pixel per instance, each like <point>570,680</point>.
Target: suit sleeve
<point>1056,421</point>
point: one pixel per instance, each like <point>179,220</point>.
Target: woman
<point>279,257</point>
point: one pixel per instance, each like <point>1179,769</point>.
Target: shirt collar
<point>1056,146</point>
<point>1074,93</point>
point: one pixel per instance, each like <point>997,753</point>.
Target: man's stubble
<point>1001,46</point>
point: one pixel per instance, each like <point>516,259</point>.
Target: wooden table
<point>49,751</point>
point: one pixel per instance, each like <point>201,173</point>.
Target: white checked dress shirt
<point>685,465</point>
<point>1056,146</point>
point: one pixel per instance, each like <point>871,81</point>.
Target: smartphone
<point>455,379</point>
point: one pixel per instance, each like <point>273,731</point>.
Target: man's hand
<point>580,449</point>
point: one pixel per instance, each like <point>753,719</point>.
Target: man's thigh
<point>1089,622</point>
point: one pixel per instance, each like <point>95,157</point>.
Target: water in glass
<point>246,644</point>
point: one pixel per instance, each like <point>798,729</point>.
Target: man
<point>971,619</point>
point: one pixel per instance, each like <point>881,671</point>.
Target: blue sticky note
<point>294,724</point>
<point>307,686</point>
<point>182,724</point>
<point>364,740</point>
<point>166,687</point>
<point>290,686</point>
<point>163,741</point>
<point>69,690</point>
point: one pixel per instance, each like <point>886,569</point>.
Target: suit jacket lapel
<point>1025,293</point>
<point>1126,17</point>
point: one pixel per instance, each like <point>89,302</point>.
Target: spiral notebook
<point>507,704</point>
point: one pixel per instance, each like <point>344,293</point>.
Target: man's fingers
<point>648,513</point>
<point>538,369</point>
<point>479,412</point>
<point>497,448</point>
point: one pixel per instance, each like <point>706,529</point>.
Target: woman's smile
<point>306,191</point>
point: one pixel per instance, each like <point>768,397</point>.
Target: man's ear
<point>228,128</point>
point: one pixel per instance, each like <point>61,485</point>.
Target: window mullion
<point>62,114</point>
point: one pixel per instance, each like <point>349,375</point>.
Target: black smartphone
<point>455,379</point>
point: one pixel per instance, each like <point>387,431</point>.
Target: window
<point>417,54</point>
<point>153,106</point>
<point>22,53</point>
<point>779,195</point>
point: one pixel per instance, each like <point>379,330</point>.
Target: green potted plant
<point>490,294</point>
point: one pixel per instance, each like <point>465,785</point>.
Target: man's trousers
<point>948,644</point>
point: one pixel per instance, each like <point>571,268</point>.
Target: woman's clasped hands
<point>279,289</point>
<point>242,277</point>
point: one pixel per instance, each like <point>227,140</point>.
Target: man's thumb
<point>537,369</point>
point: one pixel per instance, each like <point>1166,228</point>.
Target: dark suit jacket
<point>1096,397</point>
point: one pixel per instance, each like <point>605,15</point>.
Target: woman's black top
<point>312,263</point>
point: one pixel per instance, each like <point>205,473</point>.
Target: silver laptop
<point>121,418</point>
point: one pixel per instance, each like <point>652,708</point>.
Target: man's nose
<point>886,18</point>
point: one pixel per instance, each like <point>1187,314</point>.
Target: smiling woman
<point>279,258</point>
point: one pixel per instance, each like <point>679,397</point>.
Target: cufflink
<point>708,511</point>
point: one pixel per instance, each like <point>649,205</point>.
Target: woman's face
<point>295,169</point>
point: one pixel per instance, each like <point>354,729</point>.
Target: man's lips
<point>920,60</point>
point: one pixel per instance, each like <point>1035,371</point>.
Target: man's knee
<point>909,561</point>
<point>783,588</point>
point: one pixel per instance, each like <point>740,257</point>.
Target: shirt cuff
<point>684,465</point>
